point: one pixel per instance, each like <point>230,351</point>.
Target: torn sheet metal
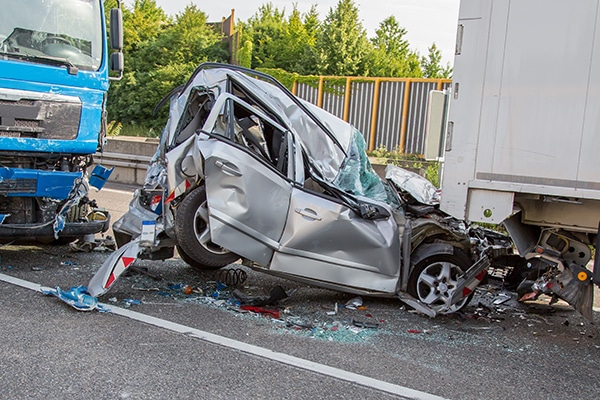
<point>99,176</point>
<point>77,297</point>
<point>414,184</point>
<point>113,267</point>
<point>79,191</point>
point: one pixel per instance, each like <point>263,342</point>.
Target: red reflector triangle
<point>110,280</point>
<point>171,197</point>
<point>127,261</point>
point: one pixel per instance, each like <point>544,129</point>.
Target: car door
<point>327,240</point>
<point>248,193</point>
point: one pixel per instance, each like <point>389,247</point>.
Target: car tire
<point>193,236</point>
<point>434,279</point>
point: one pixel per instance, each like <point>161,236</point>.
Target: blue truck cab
<point>54,78</point>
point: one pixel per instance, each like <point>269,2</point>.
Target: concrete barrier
<point>129,156</point>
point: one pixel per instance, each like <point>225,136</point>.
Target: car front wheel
<point>434,280</point>
<point>193,234</point>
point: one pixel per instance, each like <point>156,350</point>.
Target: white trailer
<point>522,144</point>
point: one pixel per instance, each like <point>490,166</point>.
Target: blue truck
<point>55,67</point>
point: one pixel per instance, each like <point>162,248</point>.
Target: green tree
<point>144,22</point>
<point>266,29</point>
<point>298,42</point>
<point>277,41</point>
<point>432,64</point>
<point>306,58</point>
<point>160,62</point>
<point>391,55</point>
<point>342,44</point>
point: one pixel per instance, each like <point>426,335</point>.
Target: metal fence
<point>390,112</point>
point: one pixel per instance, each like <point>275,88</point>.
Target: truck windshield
<point>68,31</point>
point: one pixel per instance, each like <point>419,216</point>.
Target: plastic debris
<point>277,294</point>
<point>261,310</point>
<point>87,244</point>
<point>366,325</point>
<point>298,325</point>
<point>77,297</point>
<point>354,303</point>
<point>68,263</point>
<point>502,298</point>
<point>335,310</point>
<point>132,302</point>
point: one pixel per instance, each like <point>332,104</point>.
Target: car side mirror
<point>373,212</point>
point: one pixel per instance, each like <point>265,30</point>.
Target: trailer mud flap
<point>113,268</point>
<point>470,280</point>
<point>574,285</point>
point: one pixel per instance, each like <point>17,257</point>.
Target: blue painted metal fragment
<point>77,297</point>
<point>99,176</point>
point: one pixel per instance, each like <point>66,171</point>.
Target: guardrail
<point>129,168</point>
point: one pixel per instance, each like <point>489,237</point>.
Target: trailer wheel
<point>434,279</point>
<point>193,234</point>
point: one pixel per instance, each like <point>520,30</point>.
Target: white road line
<point>283,358</point>
<point>118,191</point>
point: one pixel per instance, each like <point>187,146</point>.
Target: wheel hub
<point>442,287</point>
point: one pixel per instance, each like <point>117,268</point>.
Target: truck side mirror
<point>117,63</point>
<point>116,29</point>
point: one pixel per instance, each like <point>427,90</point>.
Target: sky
<point>426,21</point>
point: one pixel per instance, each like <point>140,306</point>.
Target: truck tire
<point>434,279</point>
<point>193,235</point>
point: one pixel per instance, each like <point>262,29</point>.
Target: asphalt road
<point>161,343</point>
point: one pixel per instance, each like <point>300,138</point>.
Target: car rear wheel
<point>193,234</point>
<point>434,280</point>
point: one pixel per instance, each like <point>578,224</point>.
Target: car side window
<point>196,112</point>
<point>250,127</point>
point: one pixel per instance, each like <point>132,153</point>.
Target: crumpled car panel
<point>287,186</point>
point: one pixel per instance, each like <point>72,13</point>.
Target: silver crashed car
<point>247,170</point>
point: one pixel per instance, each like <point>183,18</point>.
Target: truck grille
<point>17,186</point>
<point>39,118</point>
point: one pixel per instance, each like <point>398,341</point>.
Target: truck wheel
<point>193,234</point>
<point>434,279</point>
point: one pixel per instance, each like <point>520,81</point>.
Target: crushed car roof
<point>325,138</point>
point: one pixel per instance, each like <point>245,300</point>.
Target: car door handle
<point>228,168</point>
<point>308,213</point>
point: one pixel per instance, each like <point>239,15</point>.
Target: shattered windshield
<point>358,177</point>
<point>52,30</point>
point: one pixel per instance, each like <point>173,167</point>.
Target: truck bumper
<point>71,229</point>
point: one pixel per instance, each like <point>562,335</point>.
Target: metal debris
<point>77,297</point>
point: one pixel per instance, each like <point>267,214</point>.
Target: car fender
<point>429,249</point>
